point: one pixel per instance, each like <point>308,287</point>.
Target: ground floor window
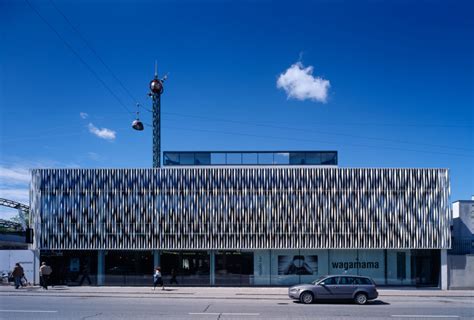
<point>131,268</point>
<point>185,267</point>
<point>71,267</point>
<point>234,268</point>
<point>245,267</point>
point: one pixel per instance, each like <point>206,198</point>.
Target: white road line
<point>30,311</point>
<point>224,313</point>
<point>239,314</point>
<point>422,316</point>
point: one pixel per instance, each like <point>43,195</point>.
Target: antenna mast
<point>156,89</point>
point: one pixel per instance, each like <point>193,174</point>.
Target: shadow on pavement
<point>55,288</point>
<point>369,303</point>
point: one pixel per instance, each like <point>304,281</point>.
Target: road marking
<point>26,311</point>
<point>201,313</point>
<point>422,316</point>
<point>224,313</point>
<point>240,314</point>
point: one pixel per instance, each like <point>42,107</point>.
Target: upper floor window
<point>312,158</point>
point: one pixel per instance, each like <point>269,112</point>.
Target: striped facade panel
<point>241,208</point>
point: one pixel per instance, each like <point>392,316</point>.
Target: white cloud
<point>102,133</point>
<point>14,175</point>
<point>14,185</point>
<point>19,195</point>
<point>84,115</point>
<point>299,83</point>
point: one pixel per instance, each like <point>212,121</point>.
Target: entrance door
<point>426,267</point>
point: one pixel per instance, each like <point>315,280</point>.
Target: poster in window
<point>298,265</point>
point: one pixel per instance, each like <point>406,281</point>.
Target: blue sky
<point>390,85</point>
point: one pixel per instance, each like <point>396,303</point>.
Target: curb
<point>187,295</point>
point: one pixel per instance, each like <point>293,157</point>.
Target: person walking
<point>45,271</point>
<point>173,277</point>
<point>17,273</point>
<point>158,279</point>
<point>85,275</point>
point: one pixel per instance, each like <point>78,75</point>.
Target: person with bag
<point>17,273</point>
<point>45,271</point>
<point>158,279</point>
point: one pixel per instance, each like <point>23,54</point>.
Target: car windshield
<point>319,279</point>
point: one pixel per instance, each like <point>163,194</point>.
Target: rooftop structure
<point>250,158</point>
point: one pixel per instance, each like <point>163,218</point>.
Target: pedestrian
<point>173,277</point>
<point>45,271</point>
<point>17,273</point>
<point>85,275</point>
<point>24,282</point>
<point>158,279</point>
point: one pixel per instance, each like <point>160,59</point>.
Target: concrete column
<point>212,271</point>
<point>156,258</point>
<point>100,267</point>
<point>36,266</point>
<point>444,269</point>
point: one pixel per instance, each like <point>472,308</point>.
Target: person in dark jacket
<point>17,273</point>
<point>85,275</point>
<point>173,277</point>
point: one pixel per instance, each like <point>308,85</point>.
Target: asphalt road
<point>159,307</point>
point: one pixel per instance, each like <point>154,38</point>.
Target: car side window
<point>329,281</point>
<point>345,280</point>
<point>365,281</point>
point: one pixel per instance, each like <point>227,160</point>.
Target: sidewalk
<point>210,292</point>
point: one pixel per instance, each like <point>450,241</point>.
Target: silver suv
<point>341,287</point>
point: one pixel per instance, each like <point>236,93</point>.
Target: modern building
<point>463,227</point>
<point>461,255</point>
<point>243,218</point>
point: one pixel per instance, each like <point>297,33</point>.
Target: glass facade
<point>246,267</point>
<point>240,208</point>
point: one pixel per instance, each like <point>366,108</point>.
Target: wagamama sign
<point>356,265</point>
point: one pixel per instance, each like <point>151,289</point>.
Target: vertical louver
<point>241,208</point>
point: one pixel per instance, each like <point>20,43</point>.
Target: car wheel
<point>306,297</point>
<point>360,298</point>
